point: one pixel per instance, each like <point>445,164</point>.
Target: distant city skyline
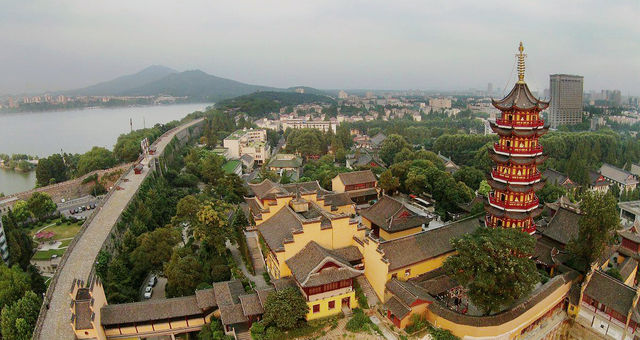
<point>434,45</point>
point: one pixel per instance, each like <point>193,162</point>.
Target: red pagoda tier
<point>515,179</point>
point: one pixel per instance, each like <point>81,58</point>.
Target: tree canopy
<point>596,229</point>
<point>285,308</point>
<point>494,265</point>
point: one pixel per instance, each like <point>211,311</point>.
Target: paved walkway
<point>80,261</point>
<point>367,289</point>
<point>254,250</point>
<point>237,257</point>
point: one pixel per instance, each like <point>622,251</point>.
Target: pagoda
<point>515,178</point>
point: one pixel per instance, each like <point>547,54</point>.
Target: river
<point>74,131</point>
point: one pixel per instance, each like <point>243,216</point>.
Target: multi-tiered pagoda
<point>515,179</point>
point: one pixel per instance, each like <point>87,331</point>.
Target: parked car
<point>76,210</point>
<point>71,211</point>
<point>153,280</point>
<point>148,291</point>
<point>92,206</point>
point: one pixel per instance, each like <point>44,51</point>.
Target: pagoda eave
<point>511,214</point>
<point>508,131</point>
<point>518,160</point>
<point>502,187</point>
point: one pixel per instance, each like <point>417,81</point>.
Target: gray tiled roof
<point>392,215</point>
<point>306,263</point>
<point>418,247</point>
<point>357,177</point>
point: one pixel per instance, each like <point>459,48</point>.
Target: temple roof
<point>520,98</point>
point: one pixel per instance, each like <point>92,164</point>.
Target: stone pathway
<point>387,333</point>
<point>254,250</point>
<point>55,319</point>
<point>237,257</point>
<point>341,333</point>
<point>372,298</point>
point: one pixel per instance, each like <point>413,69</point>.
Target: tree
<point>212,227</point>
<point>51,169</point>
<point>186,211</point>
<point>95,159</point>
<point>213,331</point>
<point>484,188</point>
<point>392,145</point>
<point>184,273</point>
<point>154,248</point>
<point>494,265</point>
<point>285,308</point>
<point>41,205</point>
<point>388,182</point>
<point>19,319</point>
<point>596,229</point>
<point>550,192</point>
<point>469,176</point>
<point>14,283</point>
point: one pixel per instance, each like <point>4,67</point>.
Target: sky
<point>393,45</point>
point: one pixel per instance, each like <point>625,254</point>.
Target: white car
<point>147,292</point>
<point>153,280</point>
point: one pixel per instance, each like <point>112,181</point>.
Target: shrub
<point>360,322</point>
<point>417,323</point>
<point>267,277</point>
<point>362,299</point>
<point>59,222</point>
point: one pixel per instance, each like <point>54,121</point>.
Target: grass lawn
<point>65,243</point>
<point>46,254</point>
<point>65,230</point>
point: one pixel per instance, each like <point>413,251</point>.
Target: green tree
<point>213,331</point>
<point>550,192</point>
<point>596,229</point>
<point>212,227</point>
<point>187,211</point>
<point>19,319</point>
<point>494,265</point>
<point>51,169</point>
<point>184,273</point>
<point>484,188</point>
<point>95,159</point>
<point>41,205</point>
<point>469,176</point>
<point>154,248</point>
<point>14,283</point>
<point>391,146</point>
<point>285,308</point>
<point>388,183</point>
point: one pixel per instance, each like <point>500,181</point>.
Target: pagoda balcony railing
<point>526,179</point>
<point>487,222</point>
<point>493,200</point>
<point>520,123</point>
<point>517,150</point>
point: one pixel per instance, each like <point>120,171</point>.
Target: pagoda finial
<point>521,57</point>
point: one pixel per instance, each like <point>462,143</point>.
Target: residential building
<point>233,166</point>
<point>625,180</point>
<point>566,100</point>
<point>304,123</point>
<point>440,103</point>
<point>512,202</point>
<point>361,186</point>
<point>342,95</point>
<point>286,162</point>
<point>248,142</point>
<point>4,245</point>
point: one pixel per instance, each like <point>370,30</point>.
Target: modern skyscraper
<point>566,100</point>
<point>514,181</point>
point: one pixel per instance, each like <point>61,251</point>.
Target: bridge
<point>77,262</point>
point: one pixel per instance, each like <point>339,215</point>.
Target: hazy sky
<point>53,45</point>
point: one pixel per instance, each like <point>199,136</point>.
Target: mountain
<point>197,85</point>
<point>122,85</point>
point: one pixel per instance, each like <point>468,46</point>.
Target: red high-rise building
<point>513,202</point>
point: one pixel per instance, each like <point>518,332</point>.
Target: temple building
<point>512,202</point>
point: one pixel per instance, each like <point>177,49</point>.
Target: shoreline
<point>93,107</point>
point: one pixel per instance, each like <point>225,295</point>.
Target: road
<point>55,324</point>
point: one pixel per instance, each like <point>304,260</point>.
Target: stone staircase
<point>244,335</point>
<point>254,250</point>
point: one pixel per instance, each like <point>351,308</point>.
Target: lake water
<point>76,131</point>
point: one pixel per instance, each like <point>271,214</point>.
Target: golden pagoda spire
<point>521,57</point>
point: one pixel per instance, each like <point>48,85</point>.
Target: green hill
<point>260,103</point>
<point>125,83</point>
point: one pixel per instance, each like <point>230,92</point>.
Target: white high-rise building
<point>566,100</point>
